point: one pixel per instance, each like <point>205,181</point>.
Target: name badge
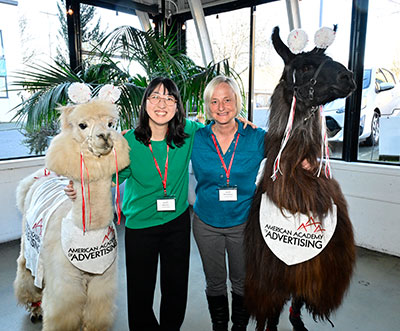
<point>227,193</point>
<point>166,203</point>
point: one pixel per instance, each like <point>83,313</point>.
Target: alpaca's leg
<point>25,291</point>
<point>98,314</point>
<point>63,304</point>
<point>295,314</point>
<point>64,295</point>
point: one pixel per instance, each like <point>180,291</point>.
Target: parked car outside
<point>380,97</point>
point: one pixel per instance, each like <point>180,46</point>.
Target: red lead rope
<point>83,167</point>
<point>83,194</point>
<point>227,171</point>
<point>117,193</point>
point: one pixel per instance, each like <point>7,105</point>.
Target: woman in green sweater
<point>156,208</point>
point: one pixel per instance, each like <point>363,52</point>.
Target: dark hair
<point>176,125</point>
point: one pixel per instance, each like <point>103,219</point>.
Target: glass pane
<point>380,112</point>
<point>317,13</point>
<point>102,23</point>
<point>31,36</point>
<point>3,87</point>
<point>229,36</point>
<point>268,65</point>
<point>3,70</point>
<point>1,44</point>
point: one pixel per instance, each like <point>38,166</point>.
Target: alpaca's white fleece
<point>72,299</point>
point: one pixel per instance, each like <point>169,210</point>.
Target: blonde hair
<point>212,85</point>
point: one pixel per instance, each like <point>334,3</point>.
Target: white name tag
<point>166,204</point>
<point>227,193</point>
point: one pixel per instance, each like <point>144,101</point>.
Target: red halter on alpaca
<point>303,199</point>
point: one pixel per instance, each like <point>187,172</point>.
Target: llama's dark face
<point>313,77</point>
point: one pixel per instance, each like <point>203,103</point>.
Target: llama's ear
<point>283,51</point>
<point>64,113</point>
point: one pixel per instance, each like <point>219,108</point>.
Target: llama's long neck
<point>305,134</point>
<point>99,205</point>
<point>294,188</point>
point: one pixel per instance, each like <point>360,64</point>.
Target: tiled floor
<point>372,303</point>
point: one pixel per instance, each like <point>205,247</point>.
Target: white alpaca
<point>73,296</point>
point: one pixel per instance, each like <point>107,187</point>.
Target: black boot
<point>295,316</point>
<point>240,316</point>
<point>219,311</point>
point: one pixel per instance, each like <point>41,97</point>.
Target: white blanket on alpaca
<point>47,197</point>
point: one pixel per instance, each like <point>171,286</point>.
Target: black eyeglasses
<point>155,99</point>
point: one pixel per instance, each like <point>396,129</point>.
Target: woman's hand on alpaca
<point>70,191</point>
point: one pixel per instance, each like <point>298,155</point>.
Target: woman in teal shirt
<point>226,158</point>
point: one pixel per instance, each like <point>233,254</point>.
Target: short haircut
<point>209,90</point>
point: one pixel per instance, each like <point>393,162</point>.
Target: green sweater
<point>143,183</point>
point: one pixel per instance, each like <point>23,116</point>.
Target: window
<point>3,70</point>
<point>379,138</point>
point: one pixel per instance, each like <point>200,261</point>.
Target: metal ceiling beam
<point>9,2</point>
<point>209,9</point>
<point>144,20</point>
<point>293,12</point>
<point>123,6</point>
<point>202,32</point>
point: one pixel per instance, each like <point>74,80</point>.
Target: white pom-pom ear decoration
<point>109,93</point>
<point>297,40</point>
<point>79,93</point>
<point>324,37</point>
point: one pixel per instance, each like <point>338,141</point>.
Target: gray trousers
<point>214,244</point>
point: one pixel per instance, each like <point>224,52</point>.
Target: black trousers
<point>143,247</point>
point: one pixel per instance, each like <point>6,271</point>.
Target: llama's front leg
<point>25,291</point>
<point>272,323</point>
<point>295,314</point>
<point>98,314</point>
<point>260,323</point>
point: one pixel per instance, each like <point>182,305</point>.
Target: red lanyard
<point>164,181</point>
<point>227,171</point>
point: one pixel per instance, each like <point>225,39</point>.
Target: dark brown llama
<point>309,80</point>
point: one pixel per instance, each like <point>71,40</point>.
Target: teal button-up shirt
<point>210,175</point>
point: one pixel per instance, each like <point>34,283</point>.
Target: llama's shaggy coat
<point>71,298</point>
<point>322,281</point>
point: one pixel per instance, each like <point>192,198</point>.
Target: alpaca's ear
<point>64,114</point>
<point>283,51</point>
